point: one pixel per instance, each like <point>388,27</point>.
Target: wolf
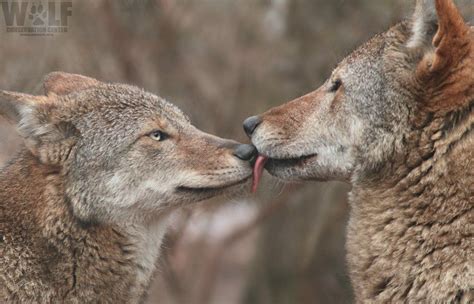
<point>395,120</point>
<point>85,204</point>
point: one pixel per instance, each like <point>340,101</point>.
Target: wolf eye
<point>335,86</point>
<point>158,135</point>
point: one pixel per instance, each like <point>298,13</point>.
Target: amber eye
<point>158,135</point>
<point>335,86</point>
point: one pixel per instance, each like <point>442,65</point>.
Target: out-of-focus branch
<point>170,274</point>
<point>206,284</point>
<point>122,40</point>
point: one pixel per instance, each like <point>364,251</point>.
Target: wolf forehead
<point>129,103</point>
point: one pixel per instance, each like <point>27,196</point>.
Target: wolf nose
<point>245,152</point>
<point>250,124</point>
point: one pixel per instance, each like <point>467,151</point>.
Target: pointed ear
<point>424,24</point>
<point>440,31</point>
<point>61,83</point>
<point>452,41</point>
<point>40,122</point>
<point>12,104</point>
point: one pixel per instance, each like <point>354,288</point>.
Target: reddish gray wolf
<point>395,119</point>
<point>85,204</point>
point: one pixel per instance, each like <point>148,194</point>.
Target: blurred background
<point>221,61</point>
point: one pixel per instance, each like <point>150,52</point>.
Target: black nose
<point>250,124</point>
<point>245,152</point>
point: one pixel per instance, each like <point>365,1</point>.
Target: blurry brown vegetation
<point>221,61</point>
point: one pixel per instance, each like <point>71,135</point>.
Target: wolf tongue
<point>257,171</point>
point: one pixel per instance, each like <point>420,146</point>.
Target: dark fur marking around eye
<point>335,85</point>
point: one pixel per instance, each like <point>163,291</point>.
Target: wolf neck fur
<point>420,206</point>
<point>429,139</point>
<point>126,253</point>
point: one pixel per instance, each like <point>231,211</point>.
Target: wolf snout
<point>251,123</point>
<point>245,152</point>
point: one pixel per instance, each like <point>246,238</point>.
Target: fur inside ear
<point>61,83</point>
<point>12,104</point>
<point>424,24</point>
<point>452,41</point>
<point>51,140</point>
<point>439,26</point>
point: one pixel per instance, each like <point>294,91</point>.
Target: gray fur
<point>85,205</point>
<point>400,130</point>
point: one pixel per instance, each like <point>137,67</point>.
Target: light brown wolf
<point>85,205</point>
<point>395,119</point>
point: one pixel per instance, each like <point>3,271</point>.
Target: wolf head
<point>361,118</point>
<point>124,153</point>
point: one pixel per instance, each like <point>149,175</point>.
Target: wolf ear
<point>40,122</point>
<point>439,24</point>
<point>452,41</point>
<point>424,24</point>
<point>61,83</point>
<point>12,104</point>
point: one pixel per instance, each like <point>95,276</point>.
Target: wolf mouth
<point>291,161</point>
<point>204,190</point>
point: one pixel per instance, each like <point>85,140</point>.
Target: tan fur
<point>86,203</point>
<point>47,256</point>
<point>400,130</point>
<point>62,84</point>
<point>410,236</point>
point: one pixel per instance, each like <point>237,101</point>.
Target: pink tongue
<point>257,171</point>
